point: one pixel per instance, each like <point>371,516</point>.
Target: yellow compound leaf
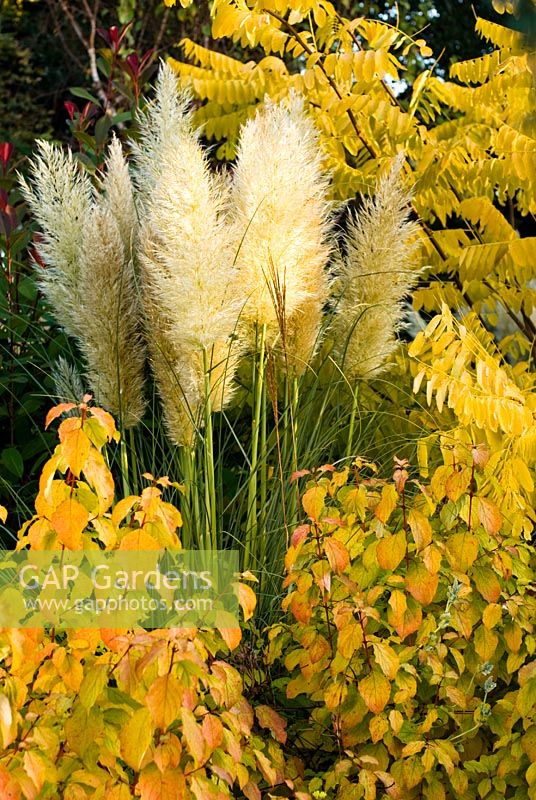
<point>391,550</point>
<point>375,690</point>
<point>69,521</point>
<point>420,528</point>
<point>136,737</point>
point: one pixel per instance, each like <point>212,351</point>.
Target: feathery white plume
<point>376,273</point>
<point>88,278</point>
<point>281,223</point>
<point>60,197</point>
<point>191,294</point>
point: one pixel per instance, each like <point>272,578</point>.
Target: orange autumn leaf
<point>268,718</point>
<point>156,785</point>
<point>231,636</point>
<point>57,411</point>
<point>421,584</point>
<point>337,555</point>
<point>489,515</point>
<point>138,540</point>
<point>69,521</point>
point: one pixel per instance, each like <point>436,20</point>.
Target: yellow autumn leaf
<point>247,599</point>
<point>69,521</point>
<point>492,614</point>
<point>396,720</point>
<point>337,554</point>
<point>387,504</point>
<point>231,636</point>
<point>350,639</point>
<point>8,724</point>
<point>268,718</point>
<point>138,540</point>
<point>164,700</point>
<point>135,737</point>
<point>69,668</point>
<point>375,690</point>
<point>485,643</point>
<point>313,502</point>
<point>212,729</point>
<point>156,785</point>
<point>193,733</point>
<point>75,445</point>
<point>98,476</point>
<point>391,550</point>
<point>420,528</point>
<point>462,550</point>
<point>421,584</point>
<point>386,658</point>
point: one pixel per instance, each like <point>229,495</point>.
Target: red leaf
<point>6,151</point>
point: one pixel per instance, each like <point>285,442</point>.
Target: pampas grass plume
<point>281,221</point>
<point>376,272</point>
<point>191,292</point>
<point>88,277</point>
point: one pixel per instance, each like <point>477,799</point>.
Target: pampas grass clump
<point>202,266</point>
